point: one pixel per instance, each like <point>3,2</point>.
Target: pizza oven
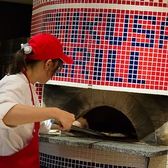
<point>134,116</point>
<point>118,80</point>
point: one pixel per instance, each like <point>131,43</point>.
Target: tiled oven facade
<point>120,50</point>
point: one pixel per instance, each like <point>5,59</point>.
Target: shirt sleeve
<point>45,126</point>
<point>15,90</point>
<point>12,93</point>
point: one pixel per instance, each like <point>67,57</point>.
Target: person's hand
<point>64,119</point>
<point>81,122</point>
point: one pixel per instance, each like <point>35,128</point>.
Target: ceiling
<point>29,2</point>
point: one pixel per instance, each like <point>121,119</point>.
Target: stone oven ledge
<point>75,150</point>
<point>70,150</point>
<point>134,148</point>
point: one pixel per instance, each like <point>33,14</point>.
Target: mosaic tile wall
<point>117,45</point>
<point>39,91</point>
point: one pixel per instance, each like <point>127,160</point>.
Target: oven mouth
<point>111,122</point>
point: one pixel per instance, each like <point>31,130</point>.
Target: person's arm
<point>21,114</point>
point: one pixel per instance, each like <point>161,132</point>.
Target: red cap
<point>46,46</point>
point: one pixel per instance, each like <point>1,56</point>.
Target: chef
<point>21,117</point>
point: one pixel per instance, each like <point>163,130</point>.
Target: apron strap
<point>32,98</point>
<point>37,124</point>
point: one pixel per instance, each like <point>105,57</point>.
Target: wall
<point>15,20</point>
<point>116,45</point>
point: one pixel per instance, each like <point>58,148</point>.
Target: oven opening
<point>111,122</point>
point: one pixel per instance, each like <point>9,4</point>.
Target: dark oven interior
<point>110,121</point>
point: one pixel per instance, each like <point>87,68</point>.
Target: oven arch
<point>80,100</point>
